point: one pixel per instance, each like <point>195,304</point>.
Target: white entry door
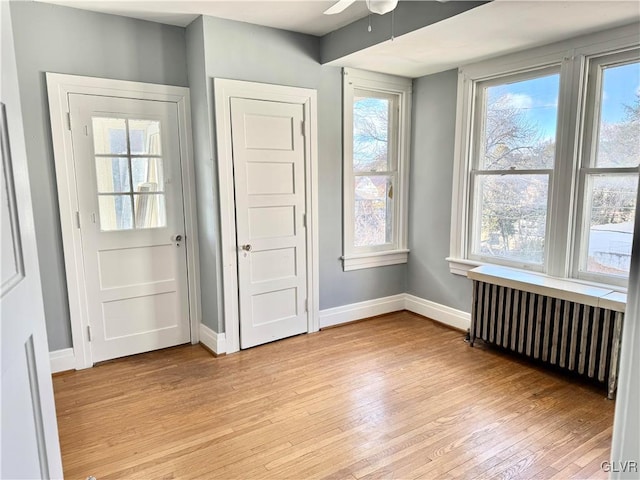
<point>269,176</point>
<point>129,185</point>
<point>29,446</point>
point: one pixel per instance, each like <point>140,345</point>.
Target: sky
<point>538,97</point>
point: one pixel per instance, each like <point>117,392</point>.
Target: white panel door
<point>129,186</point>
<point>269,162</point>
<point>29,440</point>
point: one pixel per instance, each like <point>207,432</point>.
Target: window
<point>376,139</point>
<point>548,162</point>
<point>513,164</point>
<point>129,173</point>
<point>609,170</point>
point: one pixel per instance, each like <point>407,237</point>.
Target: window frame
<point>399,91</point>
<point>479,122</point>
<point>572,57</point>
<point>594,68</point>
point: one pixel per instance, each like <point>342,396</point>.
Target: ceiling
<point>304,16</point>
<point>493,29</point>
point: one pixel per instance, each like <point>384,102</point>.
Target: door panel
<point>29,446</point>
<point>129,182</point>
<point>269,161</point>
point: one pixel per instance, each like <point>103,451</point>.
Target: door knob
<point>246,248</point>
<point>177,238</point>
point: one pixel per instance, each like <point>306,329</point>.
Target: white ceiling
<point>304,16</point>
<point>493,29</point>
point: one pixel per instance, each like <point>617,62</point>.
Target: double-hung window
<point>376,141</point>
<point>548,160</point>
<point>514,156</point>
<point>609,168</point>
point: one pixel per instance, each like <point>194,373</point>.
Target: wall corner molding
<point>216,342</point>
<point>357,311</point>
<point>62,360</point>
<point>440,313</point>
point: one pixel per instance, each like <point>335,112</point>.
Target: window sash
<point>390,217</point>
<point>392,128</point>
<point>479,111</point>
<point>392,162</point>
<point>475,219</point>
<point>591,124</point>
<point>477,146</point>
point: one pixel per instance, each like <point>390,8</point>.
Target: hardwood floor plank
<point>396,396</point>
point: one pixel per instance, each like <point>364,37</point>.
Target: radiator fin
<point>576,337</point>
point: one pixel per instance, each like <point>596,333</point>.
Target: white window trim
<point>355,259</point>
<point>571,55</point>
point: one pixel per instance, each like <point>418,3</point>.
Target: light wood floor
<point>397,396</point>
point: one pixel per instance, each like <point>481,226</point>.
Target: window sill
<point>564,289</point>
<point>375,259</point>
<point>460,266</point>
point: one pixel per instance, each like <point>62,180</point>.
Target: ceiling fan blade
<point>338,7</point>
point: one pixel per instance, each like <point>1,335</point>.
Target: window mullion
<point>563,194</point>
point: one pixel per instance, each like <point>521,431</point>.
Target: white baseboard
<point>215,342</point>
<point>62,360</point>
<point>438,312</point>
<point>358,311</point>
<point>404,301</point>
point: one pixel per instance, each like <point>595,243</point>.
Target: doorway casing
<point>59,86</point>
<point>225,90</point>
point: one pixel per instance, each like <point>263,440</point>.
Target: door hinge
<point>304,128</point>
<point>78,219</point>
<point>306,305</point>
<point>304,220</point>
<point>68,120</point>
<point>89,332</point>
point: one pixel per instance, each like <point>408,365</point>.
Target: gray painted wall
<point>206,183</point>
<point>50,38</point>
<point>66,40</point>
<point>267,55</point>
<point>338,287</point>
<point>432,147</point>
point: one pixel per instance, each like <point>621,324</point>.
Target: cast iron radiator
<point>575,337</point>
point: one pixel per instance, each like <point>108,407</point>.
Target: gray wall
<point>432,147</point>
<point>205,177</point>
<point>267,55</point>
<point>338,287</point>
<point>50,38</point>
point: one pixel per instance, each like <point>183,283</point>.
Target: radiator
<point>572,336</point>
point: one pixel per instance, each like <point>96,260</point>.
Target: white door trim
<point>59,86</point>
<point>224,91</point>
